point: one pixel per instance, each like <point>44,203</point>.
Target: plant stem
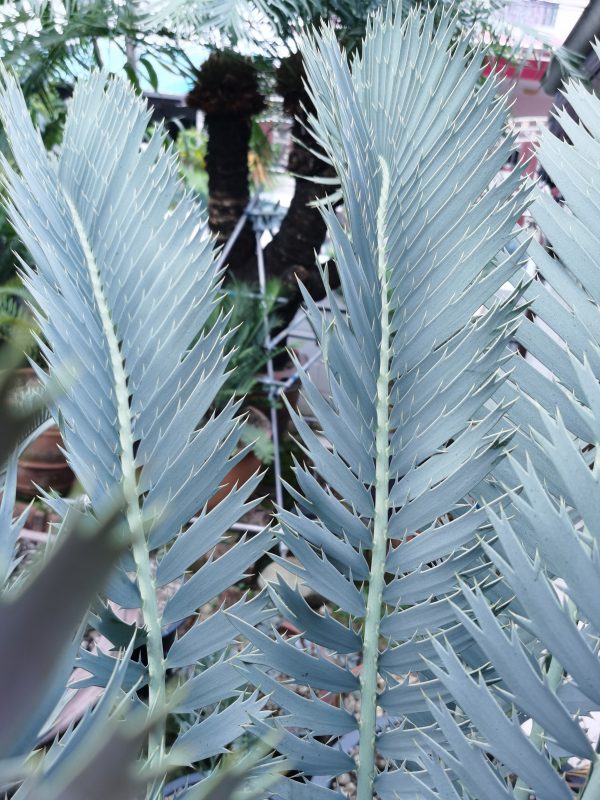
<point>97,54</point>
<point>368,688</point>
<point>141,554</point>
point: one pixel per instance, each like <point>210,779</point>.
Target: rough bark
<point>227,91</point>
<point>228,192</point>
<point>292,252</point>
<point>291,255</point>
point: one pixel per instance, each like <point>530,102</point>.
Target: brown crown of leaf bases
<point>227,83</point>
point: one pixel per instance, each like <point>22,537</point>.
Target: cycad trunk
<point>227,92</point>
<point>228,179</point>
<point>292,252</point>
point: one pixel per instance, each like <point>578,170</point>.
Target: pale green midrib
<point>368,683</point>
<point>150,611</point>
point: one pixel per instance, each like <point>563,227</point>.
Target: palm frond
<point>49,44</point>
<point>240,19</point>
<point>412,367</point>
<point>548,532</point>
<point>120,327</point>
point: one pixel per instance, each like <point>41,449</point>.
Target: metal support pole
<point>262,282</point>
<point>236,232</point>
<point>264,218</point>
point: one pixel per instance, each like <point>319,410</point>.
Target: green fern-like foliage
<point>246,20</point>
<point>48,44</point>
<point>386,519</point>
<point>14,318</point>
<point>124,281</point>
<point>240,19</point>
<point>548,535</point>
<point>17,327</point>
<point>246,308</point>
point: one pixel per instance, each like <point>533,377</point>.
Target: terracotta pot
<point>42,463</point>
<point>245,468</point>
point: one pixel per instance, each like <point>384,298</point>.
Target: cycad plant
<point>547,529</point>
<point>413,368</point>
<point>124,281</point>
<point>449,631</point>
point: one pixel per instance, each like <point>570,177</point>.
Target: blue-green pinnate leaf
<point>547,617</point>
<point>215,576</point>
<point>210,736</point>
<point>325,630</point>
<point>503,736</point>
<point>416,360</point>
<point>214,634</point>
<point>302,712</point>
<point>123,338</point>
<point>50,608</point>
<point>285,657</point>
<point>467,760</point>
<point>528,689</point>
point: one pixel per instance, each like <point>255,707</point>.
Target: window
<point>536,13</point>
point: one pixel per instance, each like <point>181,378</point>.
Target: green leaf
<point>150,72</point>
